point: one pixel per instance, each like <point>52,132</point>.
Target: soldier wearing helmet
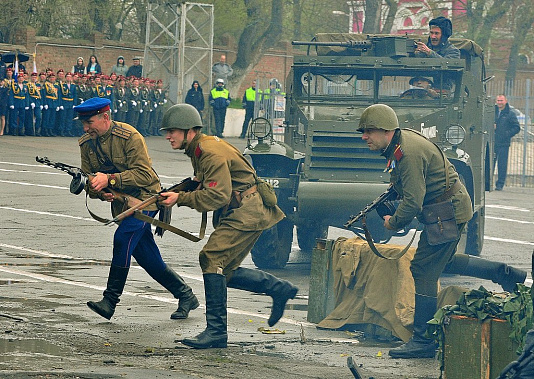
<point>228,187</point>
<point>422,175</point>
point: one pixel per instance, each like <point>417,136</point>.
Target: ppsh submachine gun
<point>81,179</point>
<point>385,205</point>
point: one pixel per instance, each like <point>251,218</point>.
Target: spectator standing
<point>219,100</point>
<point>136,69</point>
<point>195,97</point>
<point>506,126</point>
<point>79,68</point>
<point>4,91</point>
<point>222,69</point>
<point>18,104</point>
<point>120,68</point>
<point>249,103</point>
<point>93,68</point>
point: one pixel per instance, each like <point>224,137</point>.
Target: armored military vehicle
<point>323,172</point>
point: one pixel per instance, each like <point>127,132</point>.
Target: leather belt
<point>240,195</point>
<point>447,194</point>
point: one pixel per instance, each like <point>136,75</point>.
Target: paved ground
<point>54,257</point>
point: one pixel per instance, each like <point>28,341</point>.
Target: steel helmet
<point>378,116</point>
<point>181,116</point>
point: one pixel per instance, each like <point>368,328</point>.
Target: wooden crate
<point>321,296</point>
<point>477,350</point>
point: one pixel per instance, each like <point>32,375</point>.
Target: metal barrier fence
<point>520,95</point>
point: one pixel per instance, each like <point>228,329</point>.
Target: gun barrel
<point>353,44</point>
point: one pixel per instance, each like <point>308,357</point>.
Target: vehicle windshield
<point>376,85</point>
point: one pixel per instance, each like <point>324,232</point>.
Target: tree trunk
<point>524,22</point>
<point>253,41</point>
<point>372,17</point>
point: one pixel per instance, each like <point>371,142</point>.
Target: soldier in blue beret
<point>102,148</point>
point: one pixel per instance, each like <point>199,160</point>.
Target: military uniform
<point>34,114</point>
<point>67,102</point>
<point>121,153</point>
<point>423,176</point>
<point>18,104</point>
<point>51,106</point>
<point>120,98</point>
<point>418,175</point>
<point>223,169</point>
<point>132,117</point>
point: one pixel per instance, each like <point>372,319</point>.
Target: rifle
<point>382,201</point>
<point>186,185</point>
<point>80,180</point>
<point>384,206</point>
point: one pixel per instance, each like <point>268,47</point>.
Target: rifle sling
<point>140,216</point>
<point>371,244</point>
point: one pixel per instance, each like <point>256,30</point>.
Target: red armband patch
<point>212,184</point>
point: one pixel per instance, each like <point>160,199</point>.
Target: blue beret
<point>92,107</point>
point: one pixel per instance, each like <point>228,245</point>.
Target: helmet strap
<point>184,142</point>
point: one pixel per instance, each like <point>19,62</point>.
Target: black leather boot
<point>262,282</point>
<point>174,283</point>
<point>116,280</point>
<point>419,346</point>
<point>498,272</point>
<point>215,334</point>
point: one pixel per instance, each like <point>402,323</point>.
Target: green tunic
<point>419,177</point>
<point>126,148</point>
<point>222,169</point>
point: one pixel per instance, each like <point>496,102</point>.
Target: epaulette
<point>83,139</point>
<point>119,131</point>
<point>398,153</point>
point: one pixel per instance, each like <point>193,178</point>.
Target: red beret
<point>34,74</point>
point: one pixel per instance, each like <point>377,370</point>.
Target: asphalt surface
<point>54,258</point>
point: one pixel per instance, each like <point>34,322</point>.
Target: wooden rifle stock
<point>186,185</point>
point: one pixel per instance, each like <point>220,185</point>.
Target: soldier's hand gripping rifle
<point>382,204</point>
<point>384,207</point>
<point>80,180</point>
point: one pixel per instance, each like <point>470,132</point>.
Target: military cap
<point>52,74</point>
<point>34,74</point>
<point>136,58</point>
<point>42,73</point>
<point>60,70</point>
<point>419,78</point>
<point>68,74</point>
<point>9,69</point>
<point>92,107</point>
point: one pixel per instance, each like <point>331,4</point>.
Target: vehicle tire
<point>475,234</point>
<point>306,235</point>
<point>274,246</point>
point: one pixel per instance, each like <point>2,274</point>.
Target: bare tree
<point>520,28</point>
<point>257,36</point>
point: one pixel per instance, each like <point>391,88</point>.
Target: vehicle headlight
<point>261,128</point>
<point>455,134</point>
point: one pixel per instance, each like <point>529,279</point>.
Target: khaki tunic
<point>222,169</point>
<point>127,149</point>
<point>419,177</point>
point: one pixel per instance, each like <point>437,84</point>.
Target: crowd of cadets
<point>42,104</point>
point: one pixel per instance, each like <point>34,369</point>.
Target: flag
<point>34,64</point>
<point>16,73</point>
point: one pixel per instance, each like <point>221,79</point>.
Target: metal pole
<point>525,134</point>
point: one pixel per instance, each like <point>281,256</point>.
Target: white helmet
<point>219,81</point>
